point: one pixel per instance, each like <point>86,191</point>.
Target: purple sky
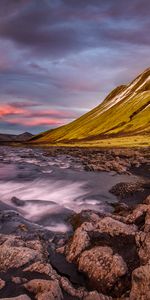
<point>60,58</point>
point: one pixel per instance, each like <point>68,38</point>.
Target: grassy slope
<point>128,117</point>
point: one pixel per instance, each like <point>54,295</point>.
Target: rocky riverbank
<point>106,258</point>
<point>118,160</point>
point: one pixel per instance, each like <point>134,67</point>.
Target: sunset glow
<point>59,59</point>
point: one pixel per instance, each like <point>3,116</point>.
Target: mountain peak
<point>142,82</point>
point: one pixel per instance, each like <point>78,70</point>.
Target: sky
<point>60,58</point>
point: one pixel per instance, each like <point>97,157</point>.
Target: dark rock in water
<point>4,206</point>
<point>61,215</point>
<point>17,201</point>
<point>131,193</point>
<point>125,189</point>
<point>121,208</point>
<point>12,222</point>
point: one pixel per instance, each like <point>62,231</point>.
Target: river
<point>47,190</point>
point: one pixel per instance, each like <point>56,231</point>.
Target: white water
<point>51,188</point>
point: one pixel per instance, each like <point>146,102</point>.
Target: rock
<point>42,268</point>
<point>22,297</point>
<point>147,220</point>
<point>2,284</point>
<point>141,283</point>
<point>14,224</point>
<point>15,253</point>
<point>61,250</point>
<point>85,216</point>
<point>96,296</point>
<point>17,201</point>
<point>147,200</point>
<point>120,208</point>
<point>18,280</point>
<point>23,227</point>
<point>138,214</point>
<point>68,287</point>
<point>102,267</point>
<point>44,289</point>
<point>143,244</point>
<point>114,227</point>
<point>79,242</point>
<point>116,166</point>
<point>108,237</point>
<point>125,189</point>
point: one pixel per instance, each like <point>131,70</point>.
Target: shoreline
<point>105,257</point>
<point>44,263</point>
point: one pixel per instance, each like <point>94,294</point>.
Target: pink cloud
<point>6,110</point>
<point>35,122</point>
<point>28,116</point>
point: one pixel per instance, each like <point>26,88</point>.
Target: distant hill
<point>124,113</point>
<point>15,138</point>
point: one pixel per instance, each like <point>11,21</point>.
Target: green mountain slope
<point>124,112</point>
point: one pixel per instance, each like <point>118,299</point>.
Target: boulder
<point>143,244</point>
<point>125,189</point>
<point>85,216</point>
<point>15,253</point>
<point>79,242</point>
<point>141,283</point>
<point>114,227</point>
<point>70,290</point>
<point>138,215</point>
<point>42,268</point>
<point>44,289</point>
<point>102,267</point>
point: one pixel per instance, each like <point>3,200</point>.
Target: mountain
<point>124,113</point>
<point>15,138</point>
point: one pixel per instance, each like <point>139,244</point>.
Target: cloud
<point>60,58</point>
<point>31,116</point>
<point>72,26</point>
<point>9,110</point>
<point>36,122</point>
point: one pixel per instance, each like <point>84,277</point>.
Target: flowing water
<point>47,190</point>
